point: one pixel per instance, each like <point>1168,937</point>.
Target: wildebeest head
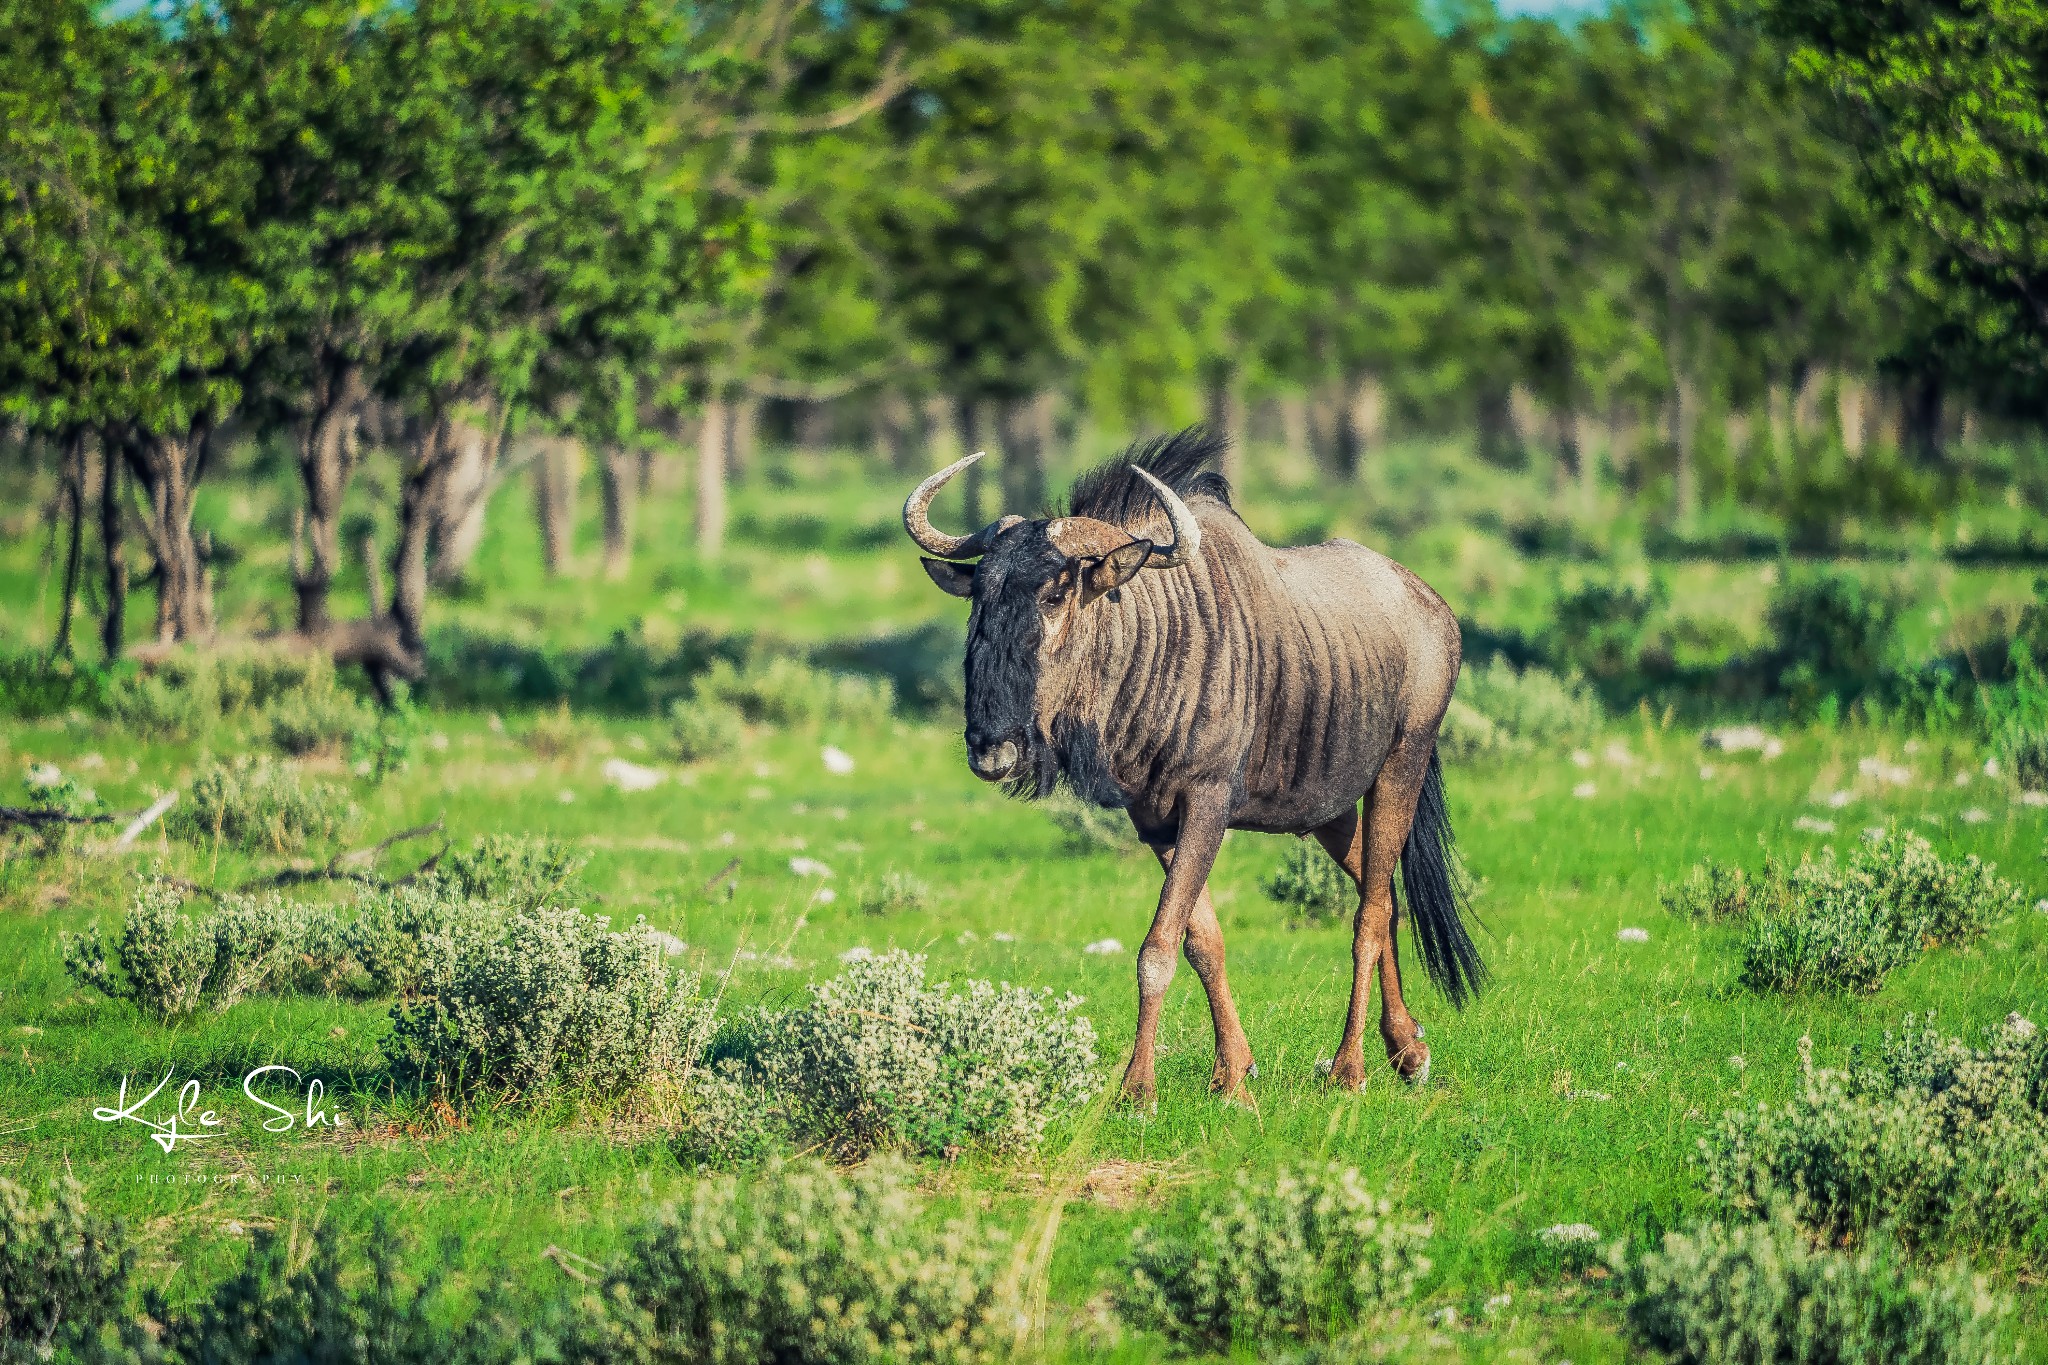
<point>1033,581</point>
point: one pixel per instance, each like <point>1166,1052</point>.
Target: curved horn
<point>936,542</point>
<point>1187,537</point>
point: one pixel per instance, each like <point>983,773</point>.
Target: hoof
<point>1408,1067</point>
<point>1345,1077</point>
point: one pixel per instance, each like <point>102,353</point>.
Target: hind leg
<point>1369,848</point>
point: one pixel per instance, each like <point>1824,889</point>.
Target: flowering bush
<point>1716,892</point>
<point>1844,925</point>
<point>1301,1253</point>
<point>1933,1140</point>
<point>1760,1292</point>
<point>63,1274</point>
<point>546,1001</point>
<point>260,806</point>
<point>880,1059</point>
<point>808,1267</point>
<point>519,869</point>
<point>1500,709</point>
<point>699,730</point>
<point>1309,881</point>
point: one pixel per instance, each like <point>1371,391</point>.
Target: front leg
<point>1187,873</point>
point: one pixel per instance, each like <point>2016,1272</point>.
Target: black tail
<point>1435,889</point>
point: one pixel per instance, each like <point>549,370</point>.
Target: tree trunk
<point>1294,425</point>
<point>1684,416</point>
<point>711,468</point>
<point>421,494</point>
<point>1735,433</point>
<point>1226,416</point>
<point>114,626</point>
<point>1923,428</point>
<point>1806,401</point>
<point>1525,418</point>
<point>168,468</point>
<point>1495,421</point>
<point>813,427</point>
<point>1325,426</point>
<point>621,493</point>
<point>554,501</point>
<point>458,524</point>
<point>327,457</point>
<point>745,417</point>
<point>1778,409</point>
<point>75,449</point>
<point>894,423</point>
<point>1585,441</point>
<point>1023,430</point>
<point>1851,409</point>
<point>1363,420</point>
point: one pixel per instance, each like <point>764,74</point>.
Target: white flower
<point>1585,790</point>
<point>2019,1025</point>
<point>1499,1303</point>
<point>1565,1234</point>
<point>637,743</point>
<point>1444,1317</point>
<point>91,761</point>
<point>628,776</point>
<point>726,839</point>
<point>809,867</point>
<point>497,725</point>
<point>1872,833</point>
<point>917,826</point>
<point>1889,773</point>
<point>2042,905</point>
<point>1814,825</point>
<point>1633,935</point>
<point>1581,759</point>
<point>1975,815</point>
<point>857,953</point>
<point>438,742</point>
<point>824,895</point>
<point>838,762</point>
<point>1738,1063</point>
<point>967,936</point>
<point>1597,1096</point>
<point>1103,947</point>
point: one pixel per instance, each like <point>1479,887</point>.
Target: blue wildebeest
<point>1147,649</point>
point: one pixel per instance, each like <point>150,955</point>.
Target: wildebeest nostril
<point>993,763</point>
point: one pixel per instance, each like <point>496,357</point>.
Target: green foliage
<point>878,1058</point>
<point>291,693</point>
<point>1844,926</point>
<point>1087,827</point>
<point>727,1120</point>
<point>1299,1254</point>
<point>1931,1141</point>
<point>2016,718</point>
<point>1833,635</point>
<point>810,1266</point>
<point>172,964</point>
<point>1715,892</point>
<point>261,806</point>
<point>33,684</point>
<point>524,870</point>
<point>1309,881</point>
<point>1761,1294</point>
<point>327,721</point>
<point>543,1003</point>
<point>385,744</point>
<point>63,1274</point>
<point>1603,629</point>
<point>699,730</point>
<point>780,690</point>
<point>398,934</point>
<point>1500,709</point>
<point>895,891</point>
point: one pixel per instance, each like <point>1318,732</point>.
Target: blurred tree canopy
<point>440,228</point>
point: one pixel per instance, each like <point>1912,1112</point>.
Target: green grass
<point>1575,1091</point>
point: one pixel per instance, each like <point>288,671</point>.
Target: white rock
<point>91,761</point>
<point>565,796</point>
<point>1839,799</point>
<point>1990,767</point>
<point>2034,798</point>
<point>1890,774</point>
<point>1104,947</point>
<point>1814,825</point>
<point>838,762</point>
<point>1963,778</point>
<point>824,895</point>
<point>1005,936</point>
<point>44,775</point>
<point>857,953</point>
<point>1872,833</point>
<point>1706,772</point>
<point>1735,739</point>
<point>1581,759</point>
<point>628,776</point>
<point>670,944</point>
<point>809,867</point>
<point>1585,790</point>
<point>1633,935</point>
<point>1975,815</point>
<point>1617,754</point>
<point>2020,1025</point>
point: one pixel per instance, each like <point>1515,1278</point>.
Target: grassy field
<point>1575,1091</point>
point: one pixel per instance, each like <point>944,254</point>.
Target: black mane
<point>1111,492</point>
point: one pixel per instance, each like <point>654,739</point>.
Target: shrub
<point>1465,736</point>
<point>547,1001</point>
<point>1832,635</point>
<point>895,891</point>
<point>1525,709</point>
<point>1310,881</point>
<point>399,932</point>
<point>700,730</point>
<point>317,721</point>
<point>522,870</point>
<point>785,691</point>
<point>880,1059</point>
<point>186,693</point>
<point>1302,1253</point>
<point>2016,718</point>
<point>554,734</point>
<point>1087,827</point>
<point>1713,893</point>
<point>1934,1140</point>
<point>727,1120</point>
<point>810,1267</point>
<point>33,684</point>
<point>63,1274</point>
<point>1760,1294</point>
<point>1603,630</point>
<point>260,806</point>
<point>1844,926</point>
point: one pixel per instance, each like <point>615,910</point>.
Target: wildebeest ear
<point>957,579</point>
<point>1100,573</point>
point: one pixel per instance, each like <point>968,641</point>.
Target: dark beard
<point>1073,758</point>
